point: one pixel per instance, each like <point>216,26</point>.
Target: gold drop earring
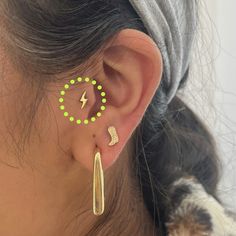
<point>98,176</point>
<point>98,185</point>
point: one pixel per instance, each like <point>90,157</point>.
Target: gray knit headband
<point>171,24</point>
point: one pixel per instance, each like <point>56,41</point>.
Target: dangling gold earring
<point>98,185</point>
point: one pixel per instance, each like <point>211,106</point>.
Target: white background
<point>211,89</point>
<point>225,19</point>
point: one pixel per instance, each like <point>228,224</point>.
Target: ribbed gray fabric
<point>172,25</point>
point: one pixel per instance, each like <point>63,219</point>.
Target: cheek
<point>12,205</point>
<point>8,126</point>
<point>11,96</point>
<point>10,122</point>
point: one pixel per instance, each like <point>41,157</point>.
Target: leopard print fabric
<point>196,213</point>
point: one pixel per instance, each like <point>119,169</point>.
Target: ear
<point>129,71</point>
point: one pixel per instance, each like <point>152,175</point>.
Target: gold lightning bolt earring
<point>114,136</point>
<point>83,100</point>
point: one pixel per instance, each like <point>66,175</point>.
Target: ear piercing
<point>83,100</point>
<point>98,176</point>
<point>114,136</point>
<point>98,185</point>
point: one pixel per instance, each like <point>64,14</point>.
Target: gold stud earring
<point>98,185</point>
<point>114,136</point>
<point>83,100</point>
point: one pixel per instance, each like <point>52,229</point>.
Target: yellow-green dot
<point>93,119</point>
<point>79,79</point>
<point>99,114</point>
<point>99,87</point>
<point>72,118</point>
<point>87,79</point>
<point>78,122</point>
<point>103,108</point>
<point>72,81</point>
<point>62,107</point>
<point>66,113</point>
<point>66,86</point>
<point>94,82</point>
<point>63,93</point>
<point>86,122</point>
<point>61,100</point>
<point>103,94</point>
<point>104,100</point>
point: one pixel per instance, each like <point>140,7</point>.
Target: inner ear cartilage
<point>83,100</point>
<point>114,136</point>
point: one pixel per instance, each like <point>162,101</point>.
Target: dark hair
<point>51,37</point>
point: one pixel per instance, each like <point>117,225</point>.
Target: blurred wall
<point>211,88</point>
<point>223,13</point>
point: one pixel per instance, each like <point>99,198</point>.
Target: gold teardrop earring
<point>98,185</point>
<point>98,176</point>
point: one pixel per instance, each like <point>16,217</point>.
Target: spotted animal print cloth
<point>196,213</point>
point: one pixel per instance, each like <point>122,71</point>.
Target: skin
<point>49,192</point>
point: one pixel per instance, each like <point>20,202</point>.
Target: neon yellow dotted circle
<point>66,86</point>
<point>62,107</point>
<point>71,117</point>
<point>63,93</point>
<point>78,122</point>
<point>61,100</point>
